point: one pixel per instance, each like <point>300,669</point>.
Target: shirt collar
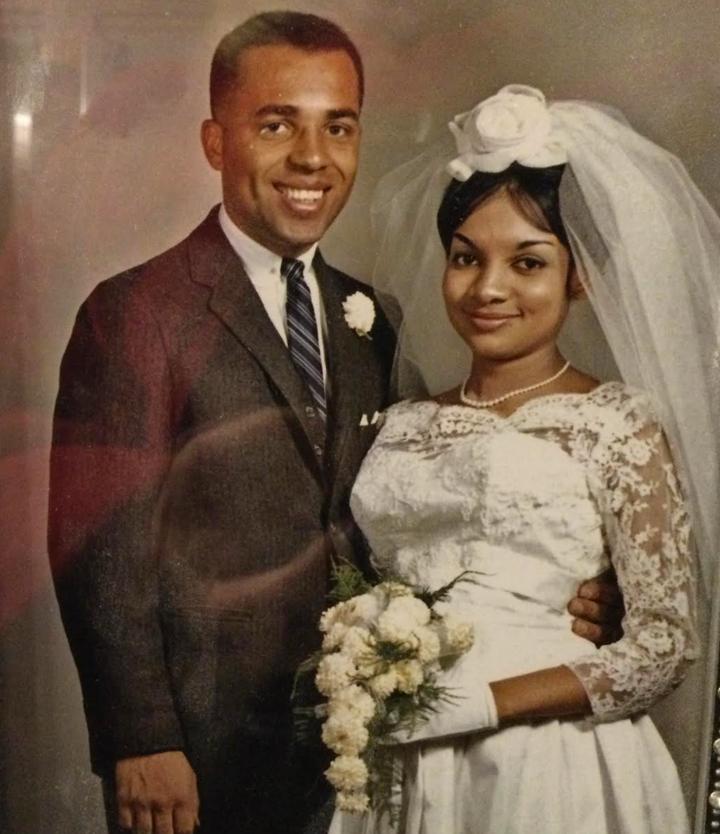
<point>256,259</point>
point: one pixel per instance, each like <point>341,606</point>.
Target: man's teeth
<point>303,195</point>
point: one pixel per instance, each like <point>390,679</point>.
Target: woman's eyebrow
<point>524,244</point>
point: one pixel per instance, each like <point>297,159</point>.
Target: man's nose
<point>308,152</point>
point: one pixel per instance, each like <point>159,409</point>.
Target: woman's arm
<point>649,535</point>
<point>547,693</point>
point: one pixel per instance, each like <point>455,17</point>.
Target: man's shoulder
<point>163,275</point>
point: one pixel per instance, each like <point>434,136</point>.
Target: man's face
<point>286,140</point>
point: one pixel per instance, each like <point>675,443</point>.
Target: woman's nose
<point>490,284</point>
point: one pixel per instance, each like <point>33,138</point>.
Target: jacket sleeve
<point>110,451</point>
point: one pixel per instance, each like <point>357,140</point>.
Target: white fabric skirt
<point>554,777</point>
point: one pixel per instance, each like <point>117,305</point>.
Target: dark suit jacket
<point>196,497</point>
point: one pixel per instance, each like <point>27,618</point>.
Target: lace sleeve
<point>648,532</point>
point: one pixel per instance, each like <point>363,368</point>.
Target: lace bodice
<point>536,503</point>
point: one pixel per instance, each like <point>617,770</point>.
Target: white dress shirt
<point>263,270</point>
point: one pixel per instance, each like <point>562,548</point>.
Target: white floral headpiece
<point>512,126</point>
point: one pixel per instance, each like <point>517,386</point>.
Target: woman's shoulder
<point>623,410</point>
<point>621,397</point>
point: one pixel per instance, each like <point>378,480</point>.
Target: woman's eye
<point>463,259</point>
<point>529,264</point>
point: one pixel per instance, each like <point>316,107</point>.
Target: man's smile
<point>302,199</point>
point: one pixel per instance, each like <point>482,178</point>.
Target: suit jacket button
<point>318,450</point>
<point>310,411</point>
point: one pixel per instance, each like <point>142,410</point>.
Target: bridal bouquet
<point>383,646</point>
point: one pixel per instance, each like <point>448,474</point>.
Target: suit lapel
<point>346,360</point>
<point>235,301</point>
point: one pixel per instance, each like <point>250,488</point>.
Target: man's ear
<point>211,135</point>
<point>575,288</point>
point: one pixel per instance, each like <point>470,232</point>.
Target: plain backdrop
<point>101,167</point>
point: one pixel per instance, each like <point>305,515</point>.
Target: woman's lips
<point>490,323</point>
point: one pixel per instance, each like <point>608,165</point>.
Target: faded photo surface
<point>101,168</point>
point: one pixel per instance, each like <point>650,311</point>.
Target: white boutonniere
<point>359,313</point>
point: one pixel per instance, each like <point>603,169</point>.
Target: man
<point>208,428</point>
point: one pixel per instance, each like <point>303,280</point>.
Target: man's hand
<point>598,610</point>
<point>157,794</point>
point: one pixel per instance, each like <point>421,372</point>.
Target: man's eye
<point>340,130</point>
<point>273,129</point>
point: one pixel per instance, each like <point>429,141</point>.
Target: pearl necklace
<point>465,400</point>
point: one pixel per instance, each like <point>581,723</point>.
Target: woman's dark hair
<point>534,192</point>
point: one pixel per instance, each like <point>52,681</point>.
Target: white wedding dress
<point>536,503</point>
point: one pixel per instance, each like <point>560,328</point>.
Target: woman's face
<point>506,283</point>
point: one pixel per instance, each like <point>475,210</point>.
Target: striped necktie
<point>302,332</point>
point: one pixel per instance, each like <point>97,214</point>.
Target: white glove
<point>472,710</point>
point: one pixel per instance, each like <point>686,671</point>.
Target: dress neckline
<point>540,399</point>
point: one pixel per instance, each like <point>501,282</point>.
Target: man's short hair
<point>304,31</point>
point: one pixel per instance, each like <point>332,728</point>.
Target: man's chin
<point>298,238</point>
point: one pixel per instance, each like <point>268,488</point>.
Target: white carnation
<point>345,734</point>
<point>456,636</point>
<point>359,313</point>
<point>366,607</point>
<point>400,619</point>
<point>337,614</point>
<point>428,644</point>
<point>384,684</point>
<point>361,610</point>
<point>409,675</point>
<point>354,700</point>
<point>334,637</point>
<point>395,628</point>
<point>347,773</point>
<point>412,608</point>
<point>357,642</point>
<point>354,803</point>
<point>335,672</point>
<point>342,713</point>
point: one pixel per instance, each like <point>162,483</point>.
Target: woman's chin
<point>483,350</point>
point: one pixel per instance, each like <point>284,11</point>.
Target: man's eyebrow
<point>343,113</point>
<point>277,110</point>
<point>289,110</point>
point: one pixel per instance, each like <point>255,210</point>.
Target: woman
<point>537,476</point>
